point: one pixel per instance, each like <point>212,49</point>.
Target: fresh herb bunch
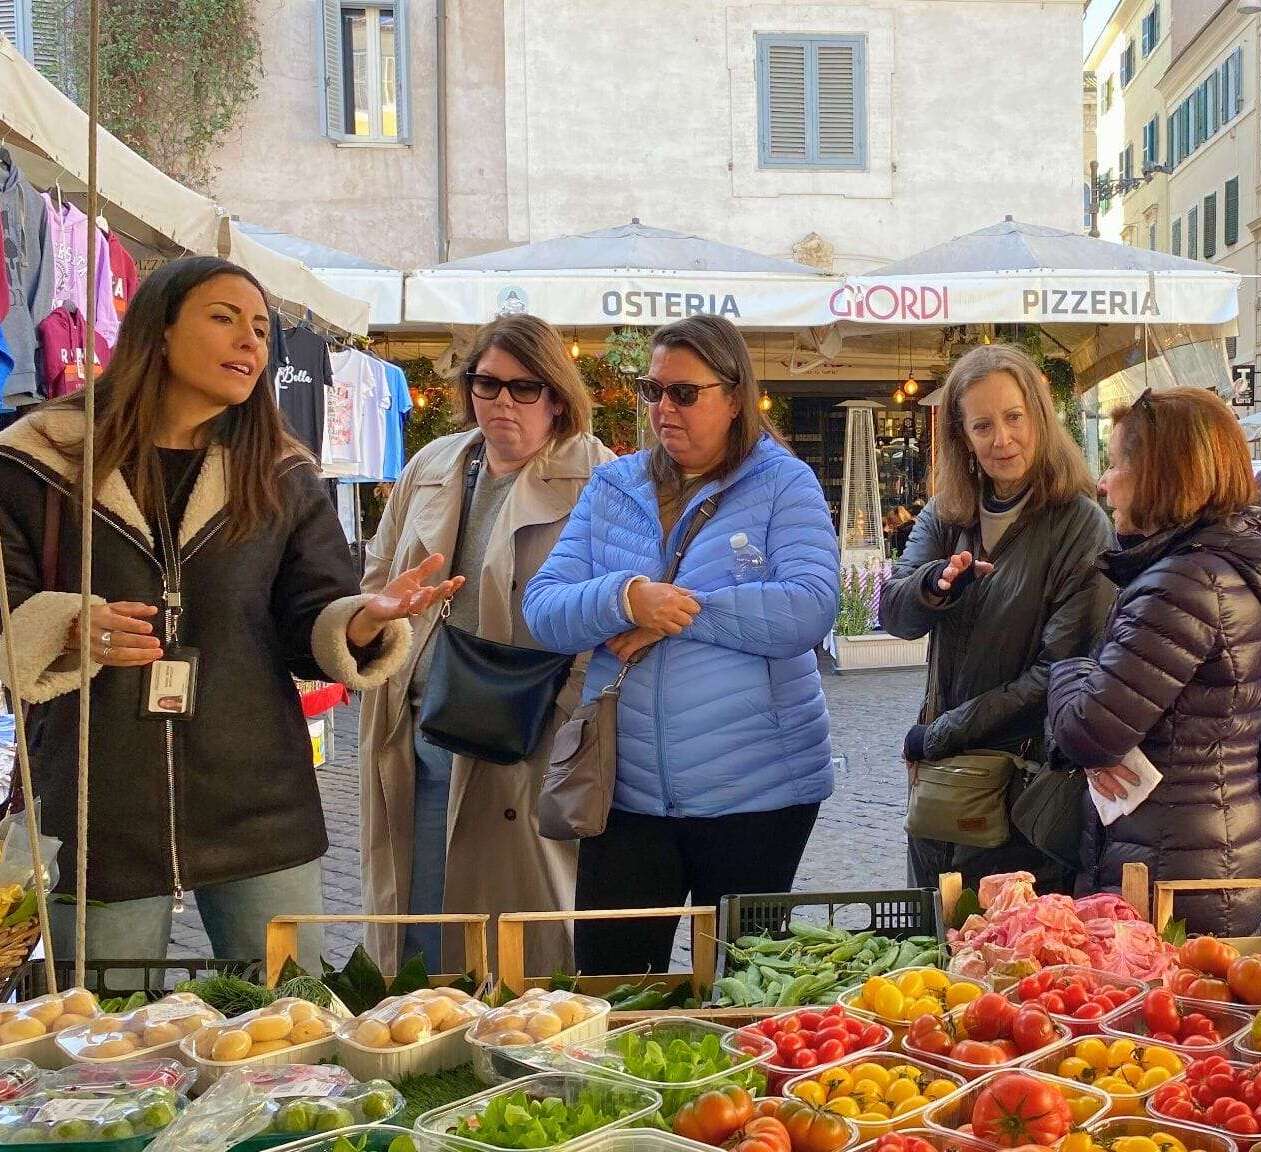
<point>517,1120</point>
<point>683,1060</point>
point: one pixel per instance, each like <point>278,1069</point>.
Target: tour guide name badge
<point>170,685</point>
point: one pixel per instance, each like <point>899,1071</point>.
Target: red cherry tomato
<point>805,1058</point>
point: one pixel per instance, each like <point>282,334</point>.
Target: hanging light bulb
<point>764,402</point>
<point>911,386</point>
<point>422,401</point>
<point>574,350</point>
<point>899,397</point>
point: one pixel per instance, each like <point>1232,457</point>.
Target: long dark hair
<point>717,342</point>
<point>128,397</point>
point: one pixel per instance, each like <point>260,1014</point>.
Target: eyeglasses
<point>683,394</point>
<point>488,388</point>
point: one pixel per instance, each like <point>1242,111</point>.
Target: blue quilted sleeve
<point>567,606</point>
<point>794,611</point>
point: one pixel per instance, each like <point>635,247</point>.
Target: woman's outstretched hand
<point>408,594</point>
<point>957,565</point>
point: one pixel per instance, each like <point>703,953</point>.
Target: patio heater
<point>861,529</point>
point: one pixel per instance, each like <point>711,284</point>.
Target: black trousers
<point>658,861</point>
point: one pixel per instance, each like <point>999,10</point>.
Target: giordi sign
<point>885,302</point>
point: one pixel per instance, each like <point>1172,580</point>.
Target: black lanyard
<point>169,544</point>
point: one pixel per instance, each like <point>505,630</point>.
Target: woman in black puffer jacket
<point>1179,671</point>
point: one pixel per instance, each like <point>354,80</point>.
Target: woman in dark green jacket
<point>1000,573</point>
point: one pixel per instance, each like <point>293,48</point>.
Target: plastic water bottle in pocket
<point>748,564</point>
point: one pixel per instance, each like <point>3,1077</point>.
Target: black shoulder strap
<point>471,469</point>
<point>704,513</point>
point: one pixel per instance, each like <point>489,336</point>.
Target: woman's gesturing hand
<point>661,607</point>
<point>957,566</point>
<point>629,643</point>
<point>408,594</point>
<point>120,635</point>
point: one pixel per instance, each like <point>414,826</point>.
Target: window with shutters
<point>1175,237</point>
<point>15,23</point>
<point>1127,165</point>
<point>1151,237</point>
<point>1232,347</point>
<point>1193,239</point>
<point>812,101</point>
<point>1127,64</point>
<point>1151,143</point>
<point>1109,92</point>
<point>1210,225</point>
<point>1231,197</point>
<point>1151,30</point>
<point>365,70</point>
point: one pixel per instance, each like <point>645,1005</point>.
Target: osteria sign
<point>612,298</point>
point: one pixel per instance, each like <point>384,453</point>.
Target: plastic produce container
<point>422,1032</point>
<point>28,1030</point>
<point>621,1103</point>
<point>114,1122</point>
<point>362,1138</point>
<point>736,1059</point>
<point>869,1130</point>
<point>286,1032</point>
<point>1244,1141</point>
<point>504,1039</point>
<point>1123,1104</point>
<point>309,1100</point>
<point>1086,1027</point>
<point>851,998</point>
<point>1231,1023</point>
<point>650,1140</point>
<point>942,1141</point>
<point>779,1073</point>
<point>952,1113</point>
<point>151,1032</point>
<point>1194,1137</point>
<point>17,1078</point>
<point>968,1070</point>
<point>132,1076</point>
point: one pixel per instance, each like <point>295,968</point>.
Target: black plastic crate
<point>158,976</point>
<point>896,914</point>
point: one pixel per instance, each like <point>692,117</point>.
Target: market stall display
<point>1216,1093</point>
<point>503,1040</point>
<point>877,1092</point>
<point>1190,1028</point>
<point>1127,1071</point>
<point>109,1121</point>
<point>990,1032</point>
<point>423,1031</point>
<point>28,1030</point>
<point>151,1032</point>
<point>285,1032</point>
<point>1079,998</point>
<point>808,1039</point>
<point>908,993</point>
<point>1145,1134</point>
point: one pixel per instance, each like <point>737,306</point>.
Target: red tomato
<point>978,1052</point>
<point>806,1058</point>
<point>1092,1010</point>
<point>1197,1024</point>
<point>1163,1037</point>
<point>1074,996</point>
<point>789,1024</point>
<point>761,1134</point>
<point>872,1035</point>
<point>1054,1002</point>
<point>1182,980</point>
<point>1028,989</point>
<point>1209,955</point>
<point>811,1021</point>
<point>1031,1029</point>
<point>825,1035</point>
<point>1244,978</point>
<point>813,1129</point>
<point>898,1142</point>
<point>831,1050</point>
<point>789,1042</point>
<point>1160,1012</point>
<point>1198,1042</point>
<point>835,1010</point>
<point>1208,988</point>
<point>713,1116</point>
<point>927,1035</point>
<point>1017,1109</point>
<point>768,1027</point>
<point>988,1017</point>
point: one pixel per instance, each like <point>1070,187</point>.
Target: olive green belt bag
<point>963,799</point>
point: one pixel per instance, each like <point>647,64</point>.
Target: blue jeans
<point>235,917</point>
<point>429,850</point>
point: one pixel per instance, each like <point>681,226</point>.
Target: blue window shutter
<point>812,101</point>
<point>1175,237</point>
<point>839,91</point>
<point>1214,103</point>
<point>1210,225</point>
<point>1193,234</point>
<point>1232,211</point>
<point>782,94</point>
<point>402,69</point>
<point>1236,68</point>
<point>334,104</point>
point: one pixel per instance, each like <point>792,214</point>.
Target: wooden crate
<point>1165,891</point>
<point>510,966</point>
<point>282,941</point>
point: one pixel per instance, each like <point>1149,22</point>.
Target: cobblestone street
<point>857,843</point>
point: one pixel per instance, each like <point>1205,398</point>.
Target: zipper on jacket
<point>168,631</point>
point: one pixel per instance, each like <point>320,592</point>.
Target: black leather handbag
<point>483,699</point>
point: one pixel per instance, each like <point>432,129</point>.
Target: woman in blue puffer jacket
<point>723,748</point>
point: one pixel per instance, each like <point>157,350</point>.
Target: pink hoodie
<point>68,232</point>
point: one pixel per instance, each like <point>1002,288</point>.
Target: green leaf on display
<point>360,985</point>
<point>1175,933</point>
<point>412,976</point>
<point>969,905</point>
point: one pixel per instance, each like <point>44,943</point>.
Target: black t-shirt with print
<point>302,376</point>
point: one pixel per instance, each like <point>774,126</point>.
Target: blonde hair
<point>1189,458</point>
<point>1059,472</point>
<point>542,353</point>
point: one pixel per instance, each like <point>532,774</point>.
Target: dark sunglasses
<point>684,395</point>
<point>489,387</point>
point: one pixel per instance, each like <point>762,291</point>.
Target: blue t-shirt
<point>395,419</point>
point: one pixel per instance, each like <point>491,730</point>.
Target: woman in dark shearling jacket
<point>1179,671</point>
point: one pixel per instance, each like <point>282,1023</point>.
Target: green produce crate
<point>114,978</point>
<point>896,914</point>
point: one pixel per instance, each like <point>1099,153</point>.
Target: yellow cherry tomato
<point>1113,1086</point>
<point>1075,1068</point>
<point>900,1090</point>
<point>1076,1142</point>
<point>1153,1078</point>
<point>1155,1056</point>
<point>938,1089</point>
<point>889,1003</point>
<point>867,1089</point>
<point>871,988</point>
<point>906,1072</point>
<point>911,1104</point>
<point>838,1078</point>
<point>1082,1108</point>
<point>960,994</point>
<point>935,980</point>
<point>845,1106</point>
<point>911,985</point>
<point>1132,1074</point>
<point>876,1111</point>
<point>1167,1143</point>
<point>924,1006</point>
<point>868,1070</point>
<point>1135,1144</point>
<point>1120,1052</point>
<point>1095,1052</point>
<point>812,1092</point>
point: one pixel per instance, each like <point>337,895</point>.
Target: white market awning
<point>48,135</point>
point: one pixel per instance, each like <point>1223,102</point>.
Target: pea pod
<point>885,962</point>
<point>851,948</point>
<point>733,989</point>
<point>647,999</point>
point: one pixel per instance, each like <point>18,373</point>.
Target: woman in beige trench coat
<point>495,859</point>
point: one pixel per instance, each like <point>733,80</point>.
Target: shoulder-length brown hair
<point>128,406</point>
<point>1188,457</point>
<point>1059,472</point>
<point>542,353</point>
<point>717,342</point>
